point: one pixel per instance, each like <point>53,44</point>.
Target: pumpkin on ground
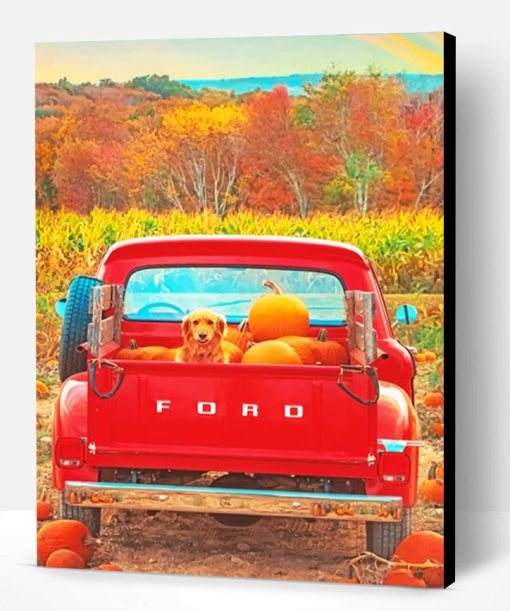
<point>420,357</point>
<point>41,390</point>
<point>235,354</point>
<point>277,315</point>
<point>304,346</point>
<point>65,559</point>
<point>420,547</point>
<point>65,534</point>
<point>437,428</point>
<point>432,491</point>
<point>44,510</point>
<point>403,577</point>
<point>434,399</point>
<point>430,356</point>
<point>436,471</point>
<point>108,567</point>
<point>271,352</point>
<point>240,337</point>
<point>330,352</point>
<point>434,577</point>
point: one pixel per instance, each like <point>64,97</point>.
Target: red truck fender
<point>70,425</point>
<point>397,420</point>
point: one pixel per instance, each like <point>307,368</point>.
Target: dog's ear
<point>221,323</point>
<point>186,326</point>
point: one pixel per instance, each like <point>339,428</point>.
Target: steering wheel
<point>147,309</point>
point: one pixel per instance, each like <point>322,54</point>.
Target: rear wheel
<point>90,516</point>
<point>75,326</point>
<point>383,538</point>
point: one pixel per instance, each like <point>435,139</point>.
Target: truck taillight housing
<point>69,452</point>
<point>394,467</point>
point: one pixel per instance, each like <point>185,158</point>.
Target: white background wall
<point>483,161</point>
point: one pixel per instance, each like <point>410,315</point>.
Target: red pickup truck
<point>303,441</point>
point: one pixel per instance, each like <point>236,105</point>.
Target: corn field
<point>406,247</point>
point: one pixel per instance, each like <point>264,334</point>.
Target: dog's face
<point>203,326</point>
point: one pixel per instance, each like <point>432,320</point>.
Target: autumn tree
<point>425,150</point>
<point>204,146</point>
<point>353,117</point>
<point>280,144</point>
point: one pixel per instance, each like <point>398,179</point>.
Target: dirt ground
<point>274,548</point>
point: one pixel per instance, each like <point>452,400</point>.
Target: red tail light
<point>394,467</point>
<point>69,452</point>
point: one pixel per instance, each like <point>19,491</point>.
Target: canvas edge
<point>449,310</point>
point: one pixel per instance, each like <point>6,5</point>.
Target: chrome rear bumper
<point>276,503</point>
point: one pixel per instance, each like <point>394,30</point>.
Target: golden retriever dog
<point>202,333</point>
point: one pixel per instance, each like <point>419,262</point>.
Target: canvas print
<point>240,257</point>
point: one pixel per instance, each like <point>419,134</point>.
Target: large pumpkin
<point>304,346</point>
<point>403,577</point>
<point>421,547</point>
<point>330,352</point>
<point>65,559</point>
<point>271,352</point>
<point>65,534</point>
<point>277,315</point>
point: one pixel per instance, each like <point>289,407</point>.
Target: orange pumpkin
<point>65,559</point>
<point>277,315</point>
<point>432,491</point>
<point>240,337</point>
<point>420,547</point>
<point>235,354</point>
<point>437,428</point>
<point>434,577</point>
<point>44,510</point>
<point>271,352</point>
<point>434,399</point>
<point>430,356</point>
<point>65,534</point>
<point>41,390</point>
<point>167,354</point>
<point>127,353</point>
<point>403,577</point>
<point>108,567</point>
<point>330,352</point>
<point>436,471</point>
<point>420,358</point>
<point>304,346</point>
<point>153,353</point>
<point>441,369</point>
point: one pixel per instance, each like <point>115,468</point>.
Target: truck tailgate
<point>251,418</point>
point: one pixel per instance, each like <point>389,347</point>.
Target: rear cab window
<point>168,294</point>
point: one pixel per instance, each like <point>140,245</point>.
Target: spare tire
<point>74,327</point>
